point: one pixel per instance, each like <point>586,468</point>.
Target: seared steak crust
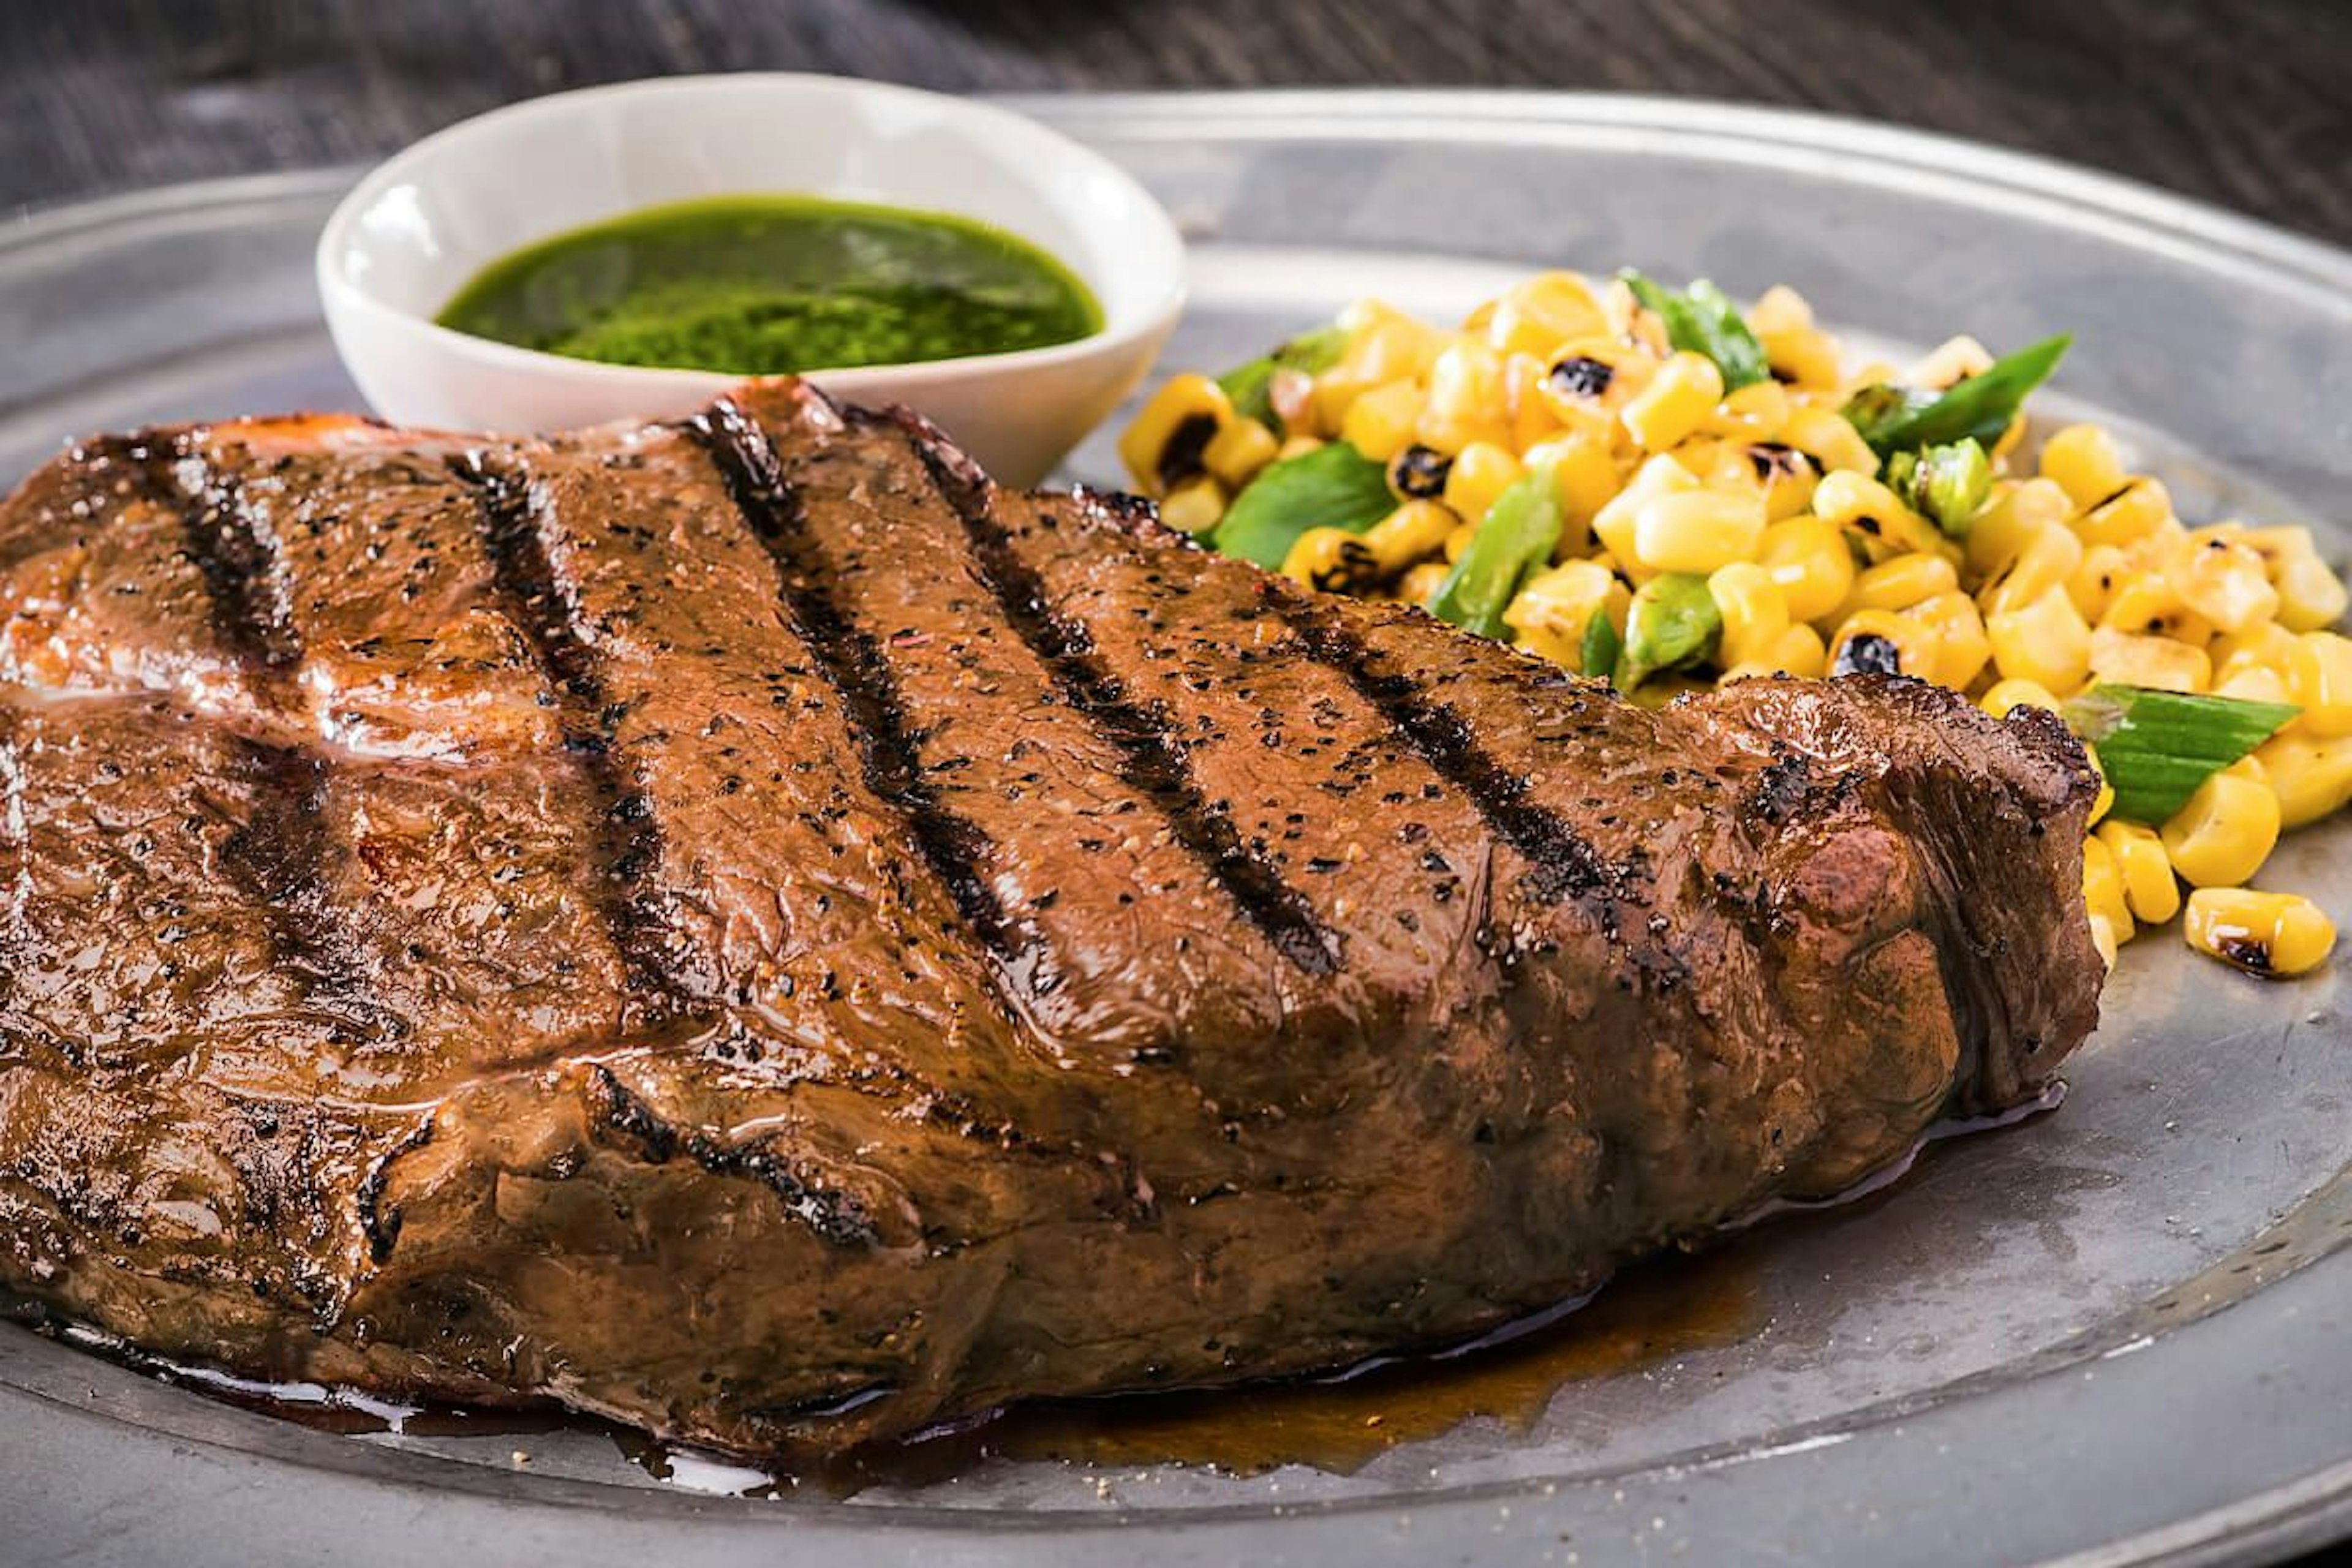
<point>749,928</point>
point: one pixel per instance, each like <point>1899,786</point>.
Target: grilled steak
<point>748,928</point>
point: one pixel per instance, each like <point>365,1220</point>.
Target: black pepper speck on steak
<point>745,927</point>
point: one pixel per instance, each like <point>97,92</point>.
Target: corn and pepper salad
<point>1651,487</point>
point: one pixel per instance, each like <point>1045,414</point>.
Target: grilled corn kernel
<point>1481,471</point>
<point>2321,681</point>
<point>1546,310</point>
<point>2105,801</point>
<point>2045,642</point>
<point>1381,422</point>
<point>2128,658</point>
<point>1828,439</point>
<point>1683,392</point>
<point>1862,504</point>
<point>2144,870</point>
<point>2017,513</point>
<point>1551,613</point>
<point>2002,696</point>
<point>1531,418</point>
<point>1194,507</point>
<point>2132,513</point>
<point>1805,357</point>
<point>2252,683</point>
<point>1238,450</point>
<point>1416,528</point>
<point>1800,652</point>
<point>1418,585</point>
<point>2049,559</point>
<point>2149,607</point>
<point>2093,584</point>
<point>2225,832</point>
<point>1466,398</point>
<point>1781,309</point>
<point>2270,646</point>
<point>1962,649</point>
<point>1588,377</point>
<point>1915,645</point>
<point>1332,561</point>
<point>1697,530</point>
<point>2311,775</point>
<point>2310,596</point>
<point>2084,461</point>
<point>1754,412</point>
<point>1164,445</point>
<point>1296,447</point>
<point>1587,475</point>
<point>2262,933</point>
<point>1951,361</point>
<point>1615,523</point>
<point>2222,579</point>
<point>2103,886</point>
<point>1903,581</point>
<point>1755,615</point>
<point>1809,564</point>
<point>2103,938</point>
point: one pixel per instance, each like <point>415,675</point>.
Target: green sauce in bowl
<point>766,285</point>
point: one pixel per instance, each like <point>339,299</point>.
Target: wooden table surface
<point>2243,102</point>
<point>2247,104</point>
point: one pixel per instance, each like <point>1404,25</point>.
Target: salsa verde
<point>761,285</point>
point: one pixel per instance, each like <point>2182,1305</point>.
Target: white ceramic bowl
<point>421,226</point>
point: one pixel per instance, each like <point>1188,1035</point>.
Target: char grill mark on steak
<point>1155,765</point>
<point>852,666</point>
<point>1561,863</point>
<point>237,560</point>
<point>625,837</point>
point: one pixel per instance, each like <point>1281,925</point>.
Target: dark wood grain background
<point>2244,103</point>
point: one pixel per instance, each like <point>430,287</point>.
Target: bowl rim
<point>1117,333</point>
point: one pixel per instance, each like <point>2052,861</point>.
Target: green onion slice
<point>2157,747</point>
<point>1898,420</point>
<point>1517,537</point>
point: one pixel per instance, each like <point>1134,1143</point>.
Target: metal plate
<point>2113,1335</point>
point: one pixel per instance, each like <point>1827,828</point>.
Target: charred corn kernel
<point>2049,559</point>
<point>2094,584</point>
<point>1825,436</point>
<point>2130,659</point>
<point>1546,310</point>
<point>2045,643</point>
<point>2103,938</point>
<point>1788,476</point>
<point>1551,613</point>
<point>2105,801</point>
<point>1683,392</point>
<point>1904,581</point>
<point>2263,933</point>
<point>2144,871</point>
<point>2015,692</point>
<point>2083,458</point>
<point>1697,530</point>
<point>1381,422</point>
<point>1616,522</point>
<point>1781,309</point>
<point>1803,356</point>
<point>2220,577</point>
<point>1238,450</point>
<point>1915,645</point>
<point>1531,418</point>
<point>1298,446</point>
<point>1466,399</point>
<point>2011,520</point>
<point>2311,775</point>
<point>1418,585</point>
<point>1962,649</point>
<point>1809,564</point>
<point>2225,832</point>
<point>1753,413</point>
<point>1588,377</point>
<point>2133,512</point>
<point>1952,361</point>
<point>1481,471</point>
<point>2321,681</point>
<point>1187,413</point>
<point>2149,606</point>
<point>2103,886</point>
<point>1755,615</point>
<point>1866,507</point>
<point>1416,528</point>
<point>1193,507</point>
<point>2310,596</point>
